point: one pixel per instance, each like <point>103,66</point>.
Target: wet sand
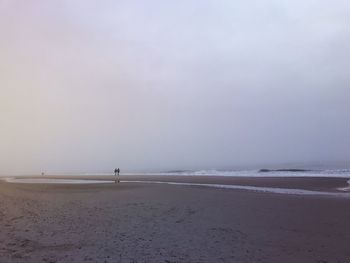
<point>307,183</point>
<point>131,222</point>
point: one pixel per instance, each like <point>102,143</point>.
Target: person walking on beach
<point>116,171</point>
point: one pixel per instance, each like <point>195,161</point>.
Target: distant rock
<point>264,170</point>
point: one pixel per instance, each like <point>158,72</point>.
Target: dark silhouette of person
<point>116,171</point>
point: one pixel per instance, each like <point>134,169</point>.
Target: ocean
<point>343,173</point>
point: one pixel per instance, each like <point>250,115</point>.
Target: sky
<point>160,85</point>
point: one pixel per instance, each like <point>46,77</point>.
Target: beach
<point>156,222</point>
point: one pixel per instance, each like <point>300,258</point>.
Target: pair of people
<point>117,171</point>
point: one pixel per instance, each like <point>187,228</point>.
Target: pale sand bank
<point>131,222</point>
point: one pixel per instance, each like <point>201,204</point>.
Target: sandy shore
<point>131,222</point>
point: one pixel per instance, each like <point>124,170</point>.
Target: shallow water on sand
<point>345,192</point>
<point>275,190</point>
<point>54,181</point>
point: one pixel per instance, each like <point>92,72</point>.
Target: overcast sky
<point>155,85</point>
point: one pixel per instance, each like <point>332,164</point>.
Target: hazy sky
<point>90,85</point>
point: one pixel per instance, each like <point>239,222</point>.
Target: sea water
<point>340,173</point>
